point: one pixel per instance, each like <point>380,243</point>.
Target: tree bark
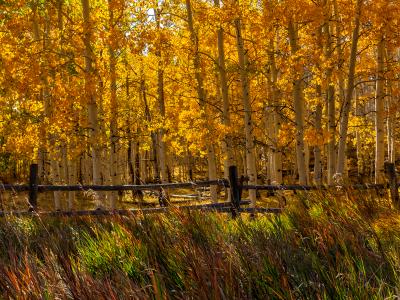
<point>41,155</point>
<point>380,114</point>
<point>330,94</point>
<point>90,95</point>
<point>391,120</point>
<point>212,168</point>
<point>162,147</point>
<point>113,110</point>
<point>344,121</point>
<point>153,134</point>
<point>223,82</point>
<point>298,108</point>
<point>248,123</point>
<point>317,148</point>
<point>276,167</point>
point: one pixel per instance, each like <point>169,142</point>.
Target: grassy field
<point>324,246</point>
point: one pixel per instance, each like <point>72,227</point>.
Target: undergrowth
<point>324,246</point>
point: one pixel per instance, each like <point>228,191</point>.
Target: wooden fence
<point>235,188</point>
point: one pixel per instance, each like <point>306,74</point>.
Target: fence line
<point>296,187</point>
<point>235,189</point>
<point>126,187</point>
<point>151,187</point>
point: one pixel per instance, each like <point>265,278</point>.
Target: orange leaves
<point>314,137</point>
<point>31,66</point>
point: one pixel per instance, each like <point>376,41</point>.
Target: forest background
<point>110,92</point>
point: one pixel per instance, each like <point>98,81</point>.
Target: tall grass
<point>324,246</point>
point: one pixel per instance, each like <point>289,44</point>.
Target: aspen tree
<point>330,95</point>
<point>226,119</point>
<point>317,149</point>
<point>162,147</point>
<point>153,135</point>
<point>360,169</point>
<point>64,146</point>
<point>275,116</point>
<point>276,177</point>
<point>391,118</point>
<point>41,157</point>
<point>90,95</point>
<point>113,106</point>
<point>339,50</point>
<point>344,121</point>
<point>212,168</point>
<point>379,114</point>
<point>248,122</point>
<point>298,108</point>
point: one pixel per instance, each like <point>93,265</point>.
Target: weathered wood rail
<point>235,189</point>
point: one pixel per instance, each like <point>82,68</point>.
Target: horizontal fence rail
<point>127,187</point>
<point>195,184</point>
<point>234,186</point>
<point>296,187</point>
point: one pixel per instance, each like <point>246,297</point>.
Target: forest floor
<point>323,246</point>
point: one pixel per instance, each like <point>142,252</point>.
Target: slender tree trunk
<point>54,149</point>
<point>72,179</point>
<point>67,166</point>
<point>318,111</point>
<point>41,156</point>
<point>153,134</point>
<point>360,162</point>
<point>276,167</point>
<point>391,117</point>
<point>298,108</point>
<point>330,94</point>
<point>269,129</point>
<point>344,121</point>
<point>339,49</point>
<point>332,130</point>
<point>317,148</point>
<point>114,109</point>
<point>138,168</point>
<point>276,151</point>
<point>162,147</point>
<point>380,114</point>
<point>226,119</point>
<point>227,144</point>
<point>131,163</point>
<point>212,168</point>
<point>248,123</point>
<point>90,94</point>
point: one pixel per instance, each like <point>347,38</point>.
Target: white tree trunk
<point>55,179</point>
<point>212,173</point>
<point>162,147</point>
<point>299,110</point>
<point>349,96</point>
<point>248,123</point>
<point>90,94</point>
<point>72,179</point>
<point>226,119</point>
<point>317,148</point>
<point>330,99</point>
<point>391,118</point>
<point>380,114</point>
<point>276,166</point>
<point>114,112</point>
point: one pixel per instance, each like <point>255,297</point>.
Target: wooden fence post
<point>235,191</point>
<point>390,170</point>
<point>33,186</point>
